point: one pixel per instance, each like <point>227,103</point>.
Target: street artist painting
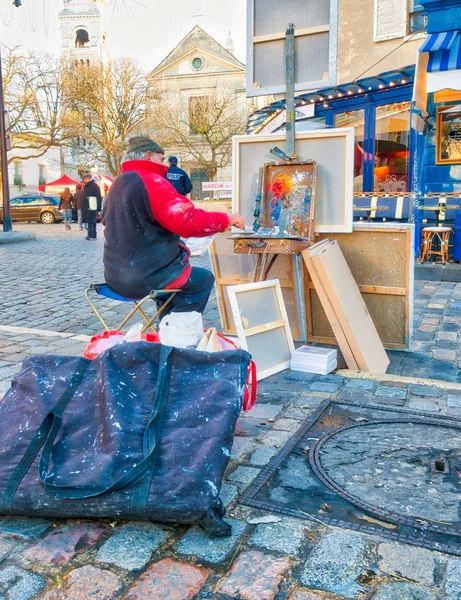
<point>290,198</point>
<point>144,219</point>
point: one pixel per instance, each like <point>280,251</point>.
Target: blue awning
<point>438,41</point>
<point>448,59</point>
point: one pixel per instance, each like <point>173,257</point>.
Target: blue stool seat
<point>102,289</point>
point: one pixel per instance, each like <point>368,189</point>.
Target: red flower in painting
<point>281,186</point>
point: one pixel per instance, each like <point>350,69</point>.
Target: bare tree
<point>33,99</point>
<point>200,127</point>
<point>106,103</point>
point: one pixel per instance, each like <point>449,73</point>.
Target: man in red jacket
<point>144,219</point>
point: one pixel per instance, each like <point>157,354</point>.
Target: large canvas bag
<point>142,432</point>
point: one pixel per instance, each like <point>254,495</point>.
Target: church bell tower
<point>82,37</point>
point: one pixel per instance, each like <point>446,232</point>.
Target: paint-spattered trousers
<point>194,293</point>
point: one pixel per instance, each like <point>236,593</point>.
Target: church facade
<point>197,69</point>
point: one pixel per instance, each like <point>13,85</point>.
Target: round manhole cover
<point>405,471</point>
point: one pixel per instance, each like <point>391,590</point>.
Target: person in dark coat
<point>178,178</point>
<point>144,219</point>
<point>91,204</point>
<point>78,204</point>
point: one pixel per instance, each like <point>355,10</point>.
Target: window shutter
<point>390,19</point>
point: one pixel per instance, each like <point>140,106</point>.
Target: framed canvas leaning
<point>262,325</point>
<point>333,152</point>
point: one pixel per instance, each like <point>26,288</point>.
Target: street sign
<point>315,45</point>
<point>216,185</point>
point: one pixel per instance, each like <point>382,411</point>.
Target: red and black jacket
<point>144,219</point>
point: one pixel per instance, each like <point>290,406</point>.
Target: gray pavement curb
<point>14,237</point>
<point>383,377</point>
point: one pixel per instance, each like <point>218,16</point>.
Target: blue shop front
<point>407,122</point>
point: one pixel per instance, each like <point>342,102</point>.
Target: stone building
<point>82,36</point>
<point>195,69</point>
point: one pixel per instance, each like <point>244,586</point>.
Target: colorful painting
<point>449,134</point>
<point>290,198</point>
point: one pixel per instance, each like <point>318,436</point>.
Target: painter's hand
<point>237,220</point>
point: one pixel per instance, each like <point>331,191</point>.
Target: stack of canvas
<point>310,359</point>
<point>345,308</point>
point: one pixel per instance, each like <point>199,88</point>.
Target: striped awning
<point>444,51</point>
<point>438,41</point>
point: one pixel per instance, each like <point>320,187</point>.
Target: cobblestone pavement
<point>268,557</point>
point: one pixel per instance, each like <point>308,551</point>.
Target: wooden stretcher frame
<point>281,323</point>
<point>334,190</point>
<point>378,293</point>
<point>293,282</point>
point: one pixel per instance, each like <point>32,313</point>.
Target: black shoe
<point>88,237</point>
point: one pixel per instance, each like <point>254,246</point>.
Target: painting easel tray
<point>269,245</point>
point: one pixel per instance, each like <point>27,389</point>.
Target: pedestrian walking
<point>65,204</point>
<point>78,204</point>
<point>91,204</point>
<point>178,178</point>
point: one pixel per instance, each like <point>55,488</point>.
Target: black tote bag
<point>142,432</point>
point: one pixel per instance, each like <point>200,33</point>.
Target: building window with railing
<point>18,174</point>
<point>42,174</point>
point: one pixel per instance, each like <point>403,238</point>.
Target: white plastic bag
<point>181,329</point>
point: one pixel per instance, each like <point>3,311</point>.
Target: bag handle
<point>150,443</point>
<point>249,402</point>
<point>6,499</point>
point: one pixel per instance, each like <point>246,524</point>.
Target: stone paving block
<point>25,527</point>
<point>243,475</point>
<point>320,386</point>
<point>427,391</point>
<point>228,493</point>
<point>424,336</point>
<point>429,405</point>
<point>361,384</point>
<point>132,546</point>
<point>169,579</point>
<point>263,455</point>
<point>447,335</point>
<point>355,394</point>
<point>19,584</point>
<point>287,425</point>
<point>240,447</point>
<point>335,564</point>
<point>430,321</point>
<point>85,583</point>
<point>399,590</point>
<point>63,545</point>
<point>6,547</point>
<point>265,411</point>
<point>407,561</point>
<point>450,327</point>
<point>454,401</point>
<point>453,579</point>
<point>441,354</point>
<point>276,437</point>
<point>427,327</point>
<point>391,392</point>
<point>302,594</point>
<point>213,550</point>
<point>254,576</point>
<point>286,536</point>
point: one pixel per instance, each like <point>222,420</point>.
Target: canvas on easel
<point>289,198</point>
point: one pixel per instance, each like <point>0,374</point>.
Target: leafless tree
<point>33,99</point>
<point>199,127</point>
<point>105,103</point>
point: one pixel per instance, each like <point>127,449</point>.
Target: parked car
<point>34,208</point>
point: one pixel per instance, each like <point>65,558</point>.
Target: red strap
<point>249,402</point>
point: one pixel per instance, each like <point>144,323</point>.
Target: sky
<point>146,30</point>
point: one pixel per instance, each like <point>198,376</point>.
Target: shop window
<point>392,148</point>
<point>417,21</point>
<point>355,119</point>
<point>41,174</point>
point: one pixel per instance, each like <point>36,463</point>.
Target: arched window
<point>82,39</point>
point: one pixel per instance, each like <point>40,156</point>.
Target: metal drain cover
<point>382,470</point>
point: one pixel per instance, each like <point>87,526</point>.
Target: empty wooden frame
<point>333,152</point>
<point>262,325</point>
<point>380,256</point>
